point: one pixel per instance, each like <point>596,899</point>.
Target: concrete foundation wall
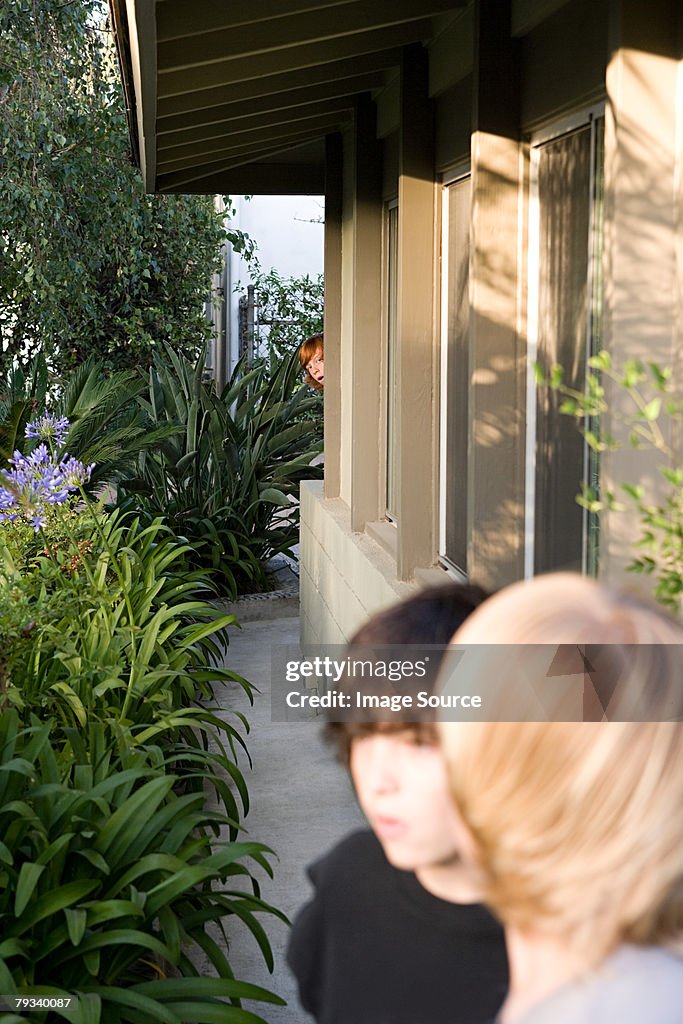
<point>345,576</point>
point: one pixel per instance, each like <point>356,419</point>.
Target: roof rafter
<point>167,144</point>
<point>316,26</point>
<point>211,117</point>
<point>307,78</point>
<point>175,21</point>
<point>197,172</point>
<point>237,69</point>
<point>318,124</point>
<point>267,178</point>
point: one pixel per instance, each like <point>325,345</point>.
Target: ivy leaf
<point>652,410</point>
<point>660,377</point>
<point>635,491</point>
<point>601,361</point>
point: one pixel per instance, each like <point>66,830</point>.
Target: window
<point>455,372</point>
<point>564,325</point>
<point>392,360</point>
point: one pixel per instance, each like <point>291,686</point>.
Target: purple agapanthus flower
<point>38,479</point>
<point>74,473</point>
<point>50,428</point>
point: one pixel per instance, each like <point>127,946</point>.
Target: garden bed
<point>282,602</point>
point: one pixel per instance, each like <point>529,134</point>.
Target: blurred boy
<point>394,933</point>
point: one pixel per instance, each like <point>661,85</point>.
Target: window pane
<point>592,519</point>
<point>455,384</point>
<point>564,192</point>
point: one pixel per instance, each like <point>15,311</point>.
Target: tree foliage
<point>289,309</point>
<point>89,264</point>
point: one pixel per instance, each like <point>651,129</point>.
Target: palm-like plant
<point>107,425</point>
<point>22,395</point>
<point>228,479</point>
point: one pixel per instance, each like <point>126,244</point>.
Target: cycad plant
<point>106,424</point>
<point>107,427</point>
<point>228,480</point>
<point>23,394</point>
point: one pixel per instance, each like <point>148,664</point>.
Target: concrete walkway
<point>301,804</point>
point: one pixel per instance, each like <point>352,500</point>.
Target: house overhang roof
<point>229,98</point>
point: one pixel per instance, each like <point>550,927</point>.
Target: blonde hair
<point>578,826</point>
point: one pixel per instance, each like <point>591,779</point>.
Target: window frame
<point>453,176</point>
<point>390,346</point>
<point>586,117</point>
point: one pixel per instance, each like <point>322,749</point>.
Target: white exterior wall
<point>289,239</point>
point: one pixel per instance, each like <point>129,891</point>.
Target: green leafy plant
<point>288,309</point>
<point>106,424</point>
<point>23,394</point>
<point>110,875</point>
<point>131,640</point>
<point>114,871</point>
<point>228,481</point>
<point>655,418</point>
<point>109,623</point>
<point>88,262</point>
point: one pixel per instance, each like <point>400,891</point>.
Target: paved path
<point>301,804</point>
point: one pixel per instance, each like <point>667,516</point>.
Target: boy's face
<point>316,366</point>
<point>402,787</point>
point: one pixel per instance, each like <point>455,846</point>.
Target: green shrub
<point>111,866</point>
<point>102,873</point>
<point>289,309</point>
<point>104,621</point>
<point>106,424</point>
<point>126,638</point>
<point>228,481</point>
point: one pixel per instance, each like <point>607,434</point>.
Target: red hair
<point>309,347</point>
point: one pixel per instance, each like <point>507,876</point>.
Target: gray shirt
<point>635,985</point>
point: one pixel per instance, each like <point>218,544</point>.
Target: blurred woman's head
<point>578,826</point>
<point>311,357</point>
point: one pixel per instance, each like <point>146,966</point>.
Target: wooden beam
<point>367,317</point>
<point>214,117</point>
<point>496,471</point>
<point>275,179</point>
<point>238,68</point>
<point>497,67</point>
<point>168,143</point>
<point>333,311</point>
<point>294,30</point>
<point>301,78</point>
<point>416,448</point>
<point>175,20</point>
<point>199,171</point>
<point>182,157</point>
<point>142,48</point>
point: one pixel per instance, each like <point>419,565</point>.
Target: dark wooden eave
<point>230,97</point>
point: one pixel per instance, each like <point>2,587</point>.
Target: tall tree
<point>89,264</point>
